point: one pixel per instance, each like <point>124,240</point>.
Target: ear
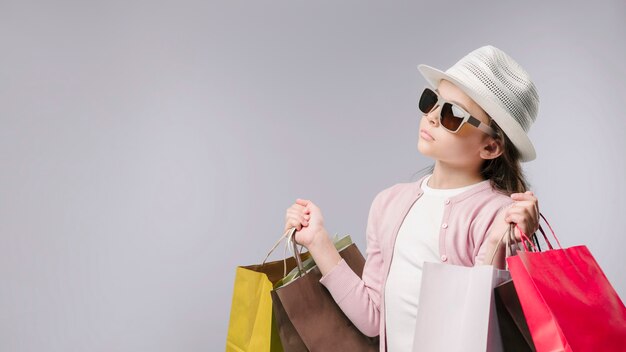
<point>492,148</point>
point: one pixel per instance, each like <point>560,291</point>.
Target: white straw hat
<point>501,87</point>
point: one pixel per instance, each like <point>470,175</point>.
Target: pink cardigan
<point>467,220</point>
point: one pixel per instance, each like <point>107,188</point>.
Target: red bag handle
<point>525,237</point>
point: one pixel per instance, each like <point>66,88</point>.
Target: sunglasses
<point>452,117</point>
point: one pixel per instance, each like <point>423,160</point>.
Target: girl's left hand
<point>524,212</point>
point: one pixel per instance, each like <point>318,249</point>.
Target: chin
<point>424,150</point>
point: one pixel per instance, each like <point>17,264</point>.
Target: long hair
<point>504,172</point>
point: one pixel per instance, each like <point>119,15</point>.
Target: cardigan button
<point>445,226</point>
<point>444,258</point>
<point>447,201</point>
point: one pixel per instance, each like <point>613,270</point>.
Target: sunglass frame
<point>467,118</point>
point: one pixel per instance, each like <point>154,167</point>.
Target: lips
<point>426,135</point>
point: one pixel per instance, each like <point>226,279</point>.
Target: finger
<point>523,196</point>
<point>293,223</point>
<point>294,212</point>
<point>298,207</point>
<point>523,204</point>
<point>296,224</point>
<point>303,202</point>
<point>516,217</point>
<point>522,219</point>
<point>306,203</point>
<point>297,212</point>
<point>303,220</point>
<point>298,216</point>
<point>524,226</point>
<point>517,196</point>
<point>527,206</point>
<point>515,210</point>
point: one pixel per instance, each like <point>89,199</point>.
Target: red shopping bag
<point>567,300</point>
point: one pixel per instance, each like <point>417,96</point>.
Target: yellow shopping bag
<point>251,327</point>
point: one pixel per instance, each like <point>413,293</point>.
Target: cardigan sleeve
<point>497,227</point>
<point>359,298</point>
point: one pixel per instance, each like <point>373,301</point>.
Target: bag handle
<point>507,237</point>
<point>525,236</point>
<point>288,235</point>
<point>551,230</point>
<point>526,239</point>
<point>545,238</point>
<point>495,250</point>
<point>296,253</point>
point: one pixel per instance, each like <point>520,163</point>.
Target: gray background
<point>150,147</point>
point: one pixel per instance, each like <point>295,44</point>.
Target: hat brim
<point>508,124</point>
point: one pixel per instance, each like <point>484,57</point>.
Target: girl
<point>474,125</point>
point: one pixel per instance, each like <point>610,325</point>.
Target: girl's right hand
<point>307,218</point>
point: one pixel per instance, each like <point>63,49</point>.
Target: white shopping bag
<point>457,309</point>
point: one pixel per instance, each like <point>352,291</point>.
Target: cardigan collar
<point>417,188</point>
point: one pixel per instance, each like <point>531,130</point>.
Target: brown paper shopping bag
<point>309,319</point>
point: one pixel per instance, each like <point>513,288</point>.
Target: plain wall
<point>150,147</point>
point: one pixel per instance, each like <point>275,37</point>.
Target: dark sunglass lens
<point>448,119</point>
<point>427,101</point>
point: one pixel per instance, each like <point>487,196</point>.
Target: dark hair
<point>504,172</point>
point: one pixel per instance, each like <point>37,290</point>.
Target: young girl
<point>474,125</point>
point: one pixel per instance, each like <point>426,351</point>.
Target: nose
<point>433,116</point>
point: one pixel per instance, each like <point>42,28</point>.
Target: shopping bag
<point>567,300</point>
<point>308,263</point>
<point>511,321</point>
<point>251,326</point>
<point>513,327</point>
<point>308,317</point>
<point>456,309</point>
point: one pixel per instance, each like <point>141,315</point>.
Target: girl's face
<point>464,148</point>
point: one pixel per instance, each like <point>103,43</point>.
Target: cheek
<point>460,145</point>
<point>473,139</point>
<point>469,136</point>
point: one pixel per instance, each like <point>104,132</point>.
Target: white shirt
<point>417,242</point>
